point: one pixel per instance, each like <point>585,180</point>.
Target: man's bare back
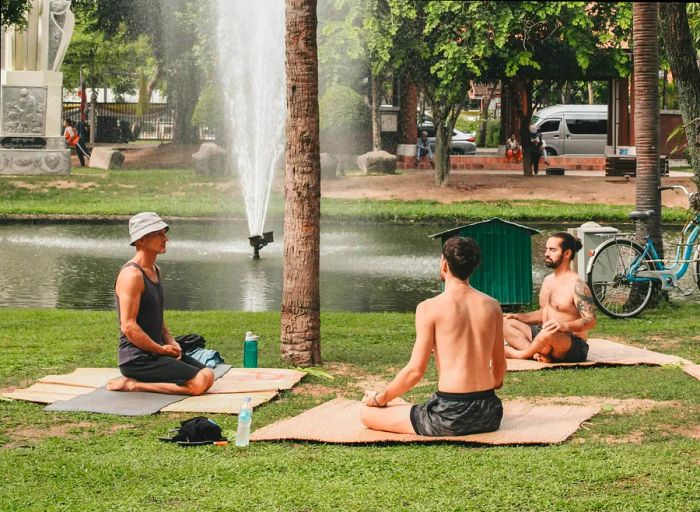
<point>466,324</point>
<point>558,330</point>
<point>463,328</point>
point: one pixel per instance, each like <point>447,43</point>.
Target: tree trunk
<point>185,93</point>
<point>663,89</point>
<point>484,114</point>
<point>376,125</point>
<point>300,336</point>
<point>566,93</point>
<point>646,125</point>
<point>408,132</point>
<point>522,101</point>
<point>591,95</point>
<point>443,137</point>
<point>681,56</point>
<point>153,82</point>
<point>441,156</point>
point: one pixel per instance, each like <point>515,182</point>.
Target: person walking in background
<point>536,148</point>
<point>74,141</point>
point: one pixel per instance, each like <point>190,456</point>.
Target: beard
<point>552,263</point>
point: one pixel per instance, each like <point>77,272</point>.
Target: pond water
<point>208,266</point>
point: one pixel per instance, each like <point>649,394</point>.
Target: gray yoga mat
<point>123,403</point>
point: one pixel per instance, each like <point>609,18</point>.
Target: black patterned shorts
<point>457,414</point>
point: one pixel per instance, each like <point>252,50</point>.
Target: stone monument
<point>31,93</point>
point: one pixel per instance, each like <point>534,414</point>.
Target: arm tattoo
<point>584,300</point>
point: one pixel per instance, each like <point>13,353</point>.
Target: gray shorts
<point>162,369</point>
<point>457,414</point>
<point>576,354</point>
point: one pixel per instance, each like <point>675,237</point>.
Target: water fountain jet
<point>251,63</point>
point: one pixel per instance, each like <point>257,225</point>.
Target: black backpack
<point>195,432</point>
<point>190,341</point>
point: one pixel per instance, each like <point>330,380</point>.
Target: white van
<point>573,129</point>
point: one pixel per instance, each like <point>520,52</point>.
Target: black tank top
<point>149,318</point>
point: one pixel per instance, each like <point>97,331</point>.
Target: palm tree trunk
<point>300,323</point>
<point>408,133</point>
<point>673,22</point>
<point>646,111</point>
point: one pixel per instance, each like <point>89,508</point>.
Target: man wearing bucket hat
<point>149,357</point>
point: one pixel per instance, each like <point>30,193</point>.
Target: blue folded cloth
<point>206,356</point>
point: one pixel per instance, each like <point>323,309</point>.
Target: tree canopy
<point>14,12</point>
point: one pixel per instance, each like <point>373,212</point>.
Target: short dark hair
<point>462,255</point>
<point>69,121</point>
<point>568,241</point>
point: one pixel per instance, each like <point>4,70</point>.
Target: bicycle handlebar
<point>674,187</point>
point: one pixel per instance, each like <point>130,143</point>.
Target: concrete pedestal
<point>31,132</point>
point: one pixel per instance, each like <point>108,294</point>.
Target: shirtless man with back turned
<point>557,332</point>
<point>463,328</point>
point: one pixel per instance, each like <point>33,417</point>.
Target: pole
<point>93,110</point>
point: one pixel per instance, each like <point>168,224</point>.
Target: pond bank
<point>411,197</point>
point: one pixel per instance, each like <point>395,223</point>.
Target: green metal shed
<point>505,272</point>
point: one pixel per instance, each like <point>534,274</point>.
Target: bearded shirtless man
<point>557,332</point>
<point>463,329</point>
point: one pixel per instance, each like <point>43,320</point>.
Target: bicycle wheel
<point>612,292</point>
<point>697,267</point>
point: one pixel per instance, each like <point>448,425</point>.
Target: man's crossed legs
<point>527,341</point>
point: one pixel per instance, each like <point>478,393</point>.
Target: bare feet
<point>121,384</point>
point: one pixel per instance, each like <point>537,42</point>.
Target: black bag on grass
<point>190,341</point>
<point>196,431</point>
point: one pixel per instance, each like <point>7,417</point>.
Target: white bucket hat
<point>144,223</point>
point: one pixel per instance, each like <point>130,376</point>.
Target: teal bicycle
<point>623,274</point>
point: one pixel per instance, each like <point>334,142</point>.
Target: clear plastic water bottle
<point>245,418</point>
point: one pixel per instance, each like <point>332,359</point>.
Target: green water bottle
<point>250,350</point>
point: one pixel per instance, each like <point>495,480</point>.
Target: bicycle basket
<point>694,202</point>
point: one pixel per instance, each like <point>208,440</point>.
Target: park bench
<point>627,165</point>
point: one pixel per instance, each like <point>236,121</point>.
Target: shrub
<point>493,127</point>
<point>464,125</point>
<point>345,122</point>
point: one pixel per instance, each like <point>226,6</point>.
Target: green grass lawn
<point>183,193</point>
<point>648,459</point>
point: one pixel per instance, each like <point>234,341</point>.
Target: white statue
<point>44,43</point>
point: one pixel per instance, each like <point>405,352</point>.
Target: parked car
<point>573,129</point>
<point>462,143</point>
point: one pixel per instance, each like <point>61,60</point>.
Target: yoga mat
<point>228,403</point>
<point>99,377</point>
<point>120,403</point>
<point>338,421</point>
<point>246,380</point>
<point>693,370</point>
<point>47,393</point>
<point>84,377</point>
<point>603,352</point>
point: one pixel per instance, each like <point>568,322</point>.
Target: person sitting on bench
<point>463,328</point>
<point>557,332</point>
<point>149,357</point>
